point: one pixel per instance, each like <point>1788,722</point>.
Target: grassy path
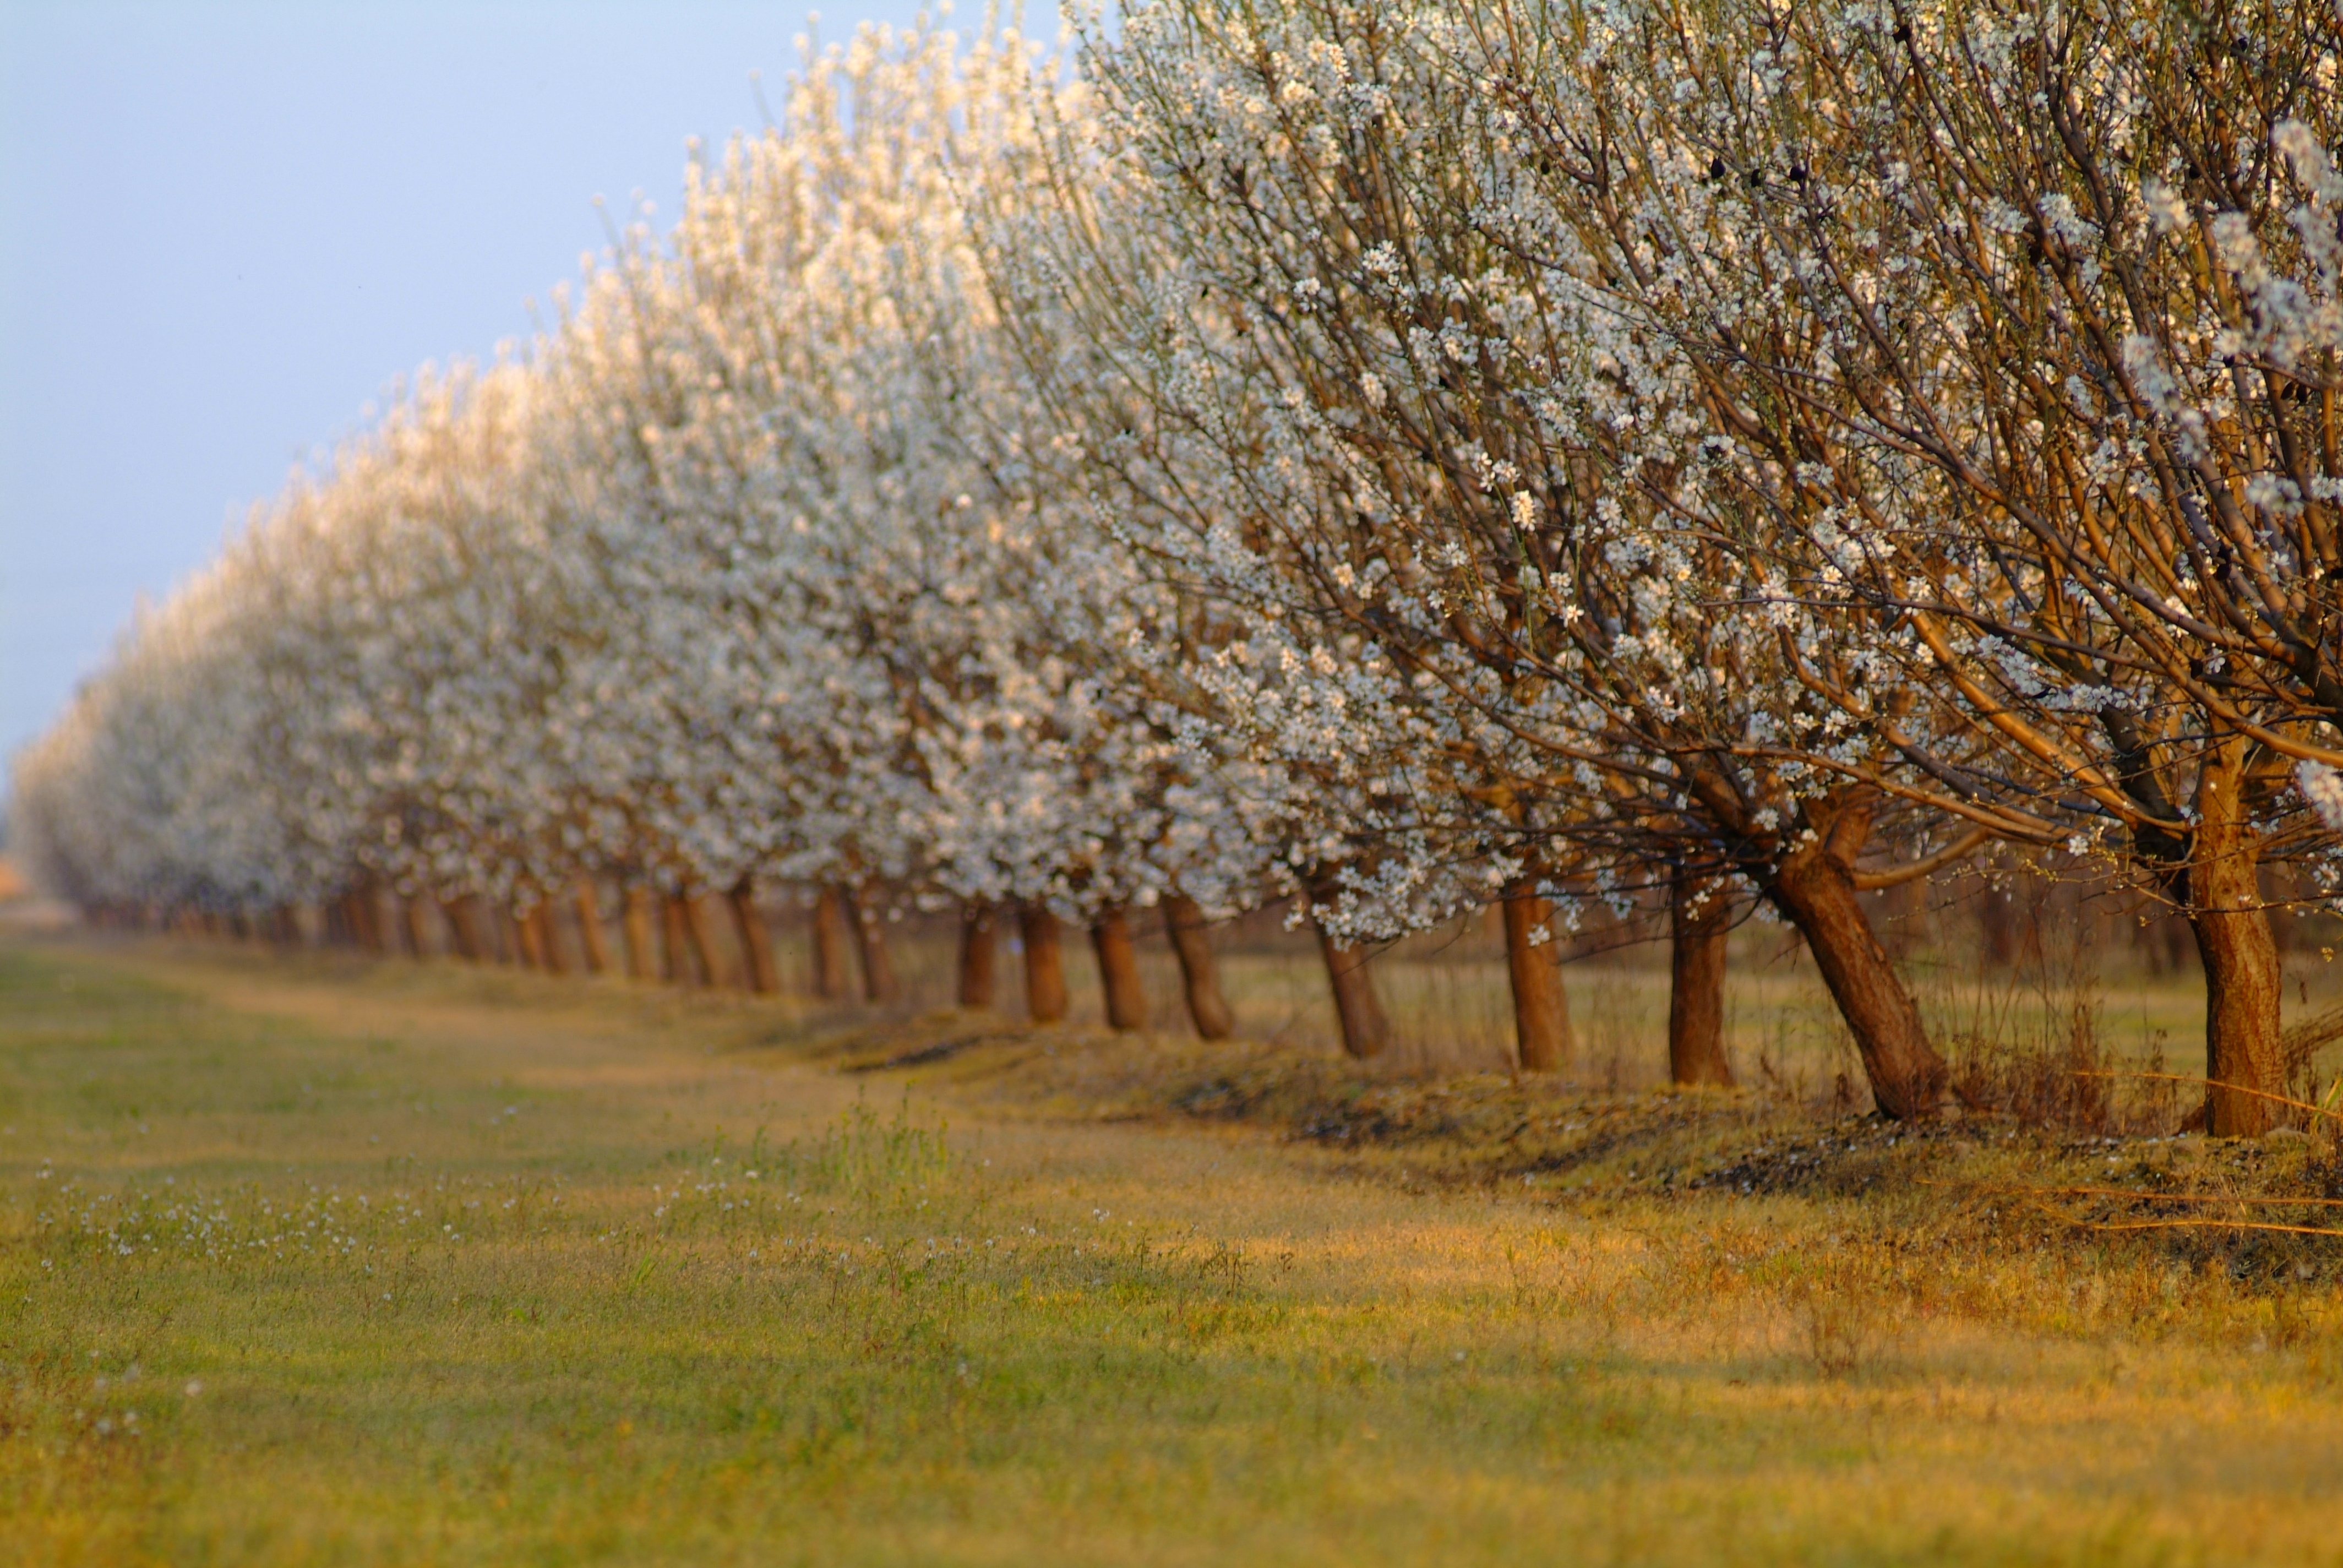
<point>309,1264</point>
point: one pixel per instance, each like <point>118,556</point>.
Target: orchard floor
<point>304,1261</point>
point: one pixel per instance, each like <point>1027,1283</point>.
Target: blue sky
<point>225,229</point>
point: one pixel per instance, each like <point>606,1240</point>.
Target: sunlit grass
<point>306,1261</point>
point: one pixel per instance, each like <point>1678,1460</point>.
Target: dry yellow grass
<point>415,1264</point>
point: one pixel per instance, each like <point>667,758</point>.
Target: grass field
<point>304,1261</point>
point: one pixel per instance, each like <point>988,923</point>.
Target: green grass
<point>418,1265</point>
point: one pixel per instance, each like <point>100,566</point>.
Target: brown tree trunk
<point>1541,1007</point>
<point>1118,962</point>
<point>675,932</point>
<point>879,984</point>
<point>1813,885</point>
<point>1184,923</point>
<point>2242,979</point>
<point>589,900</point>
<point>755,943</point>
<point>1365,1030</point>
<point>530,929</point>
<point>374,930</point>
<point>508,943</point>
<point>1999,919</point>
<point>635,927</point>
<point>705,948</point>
<point>366,919</point>
<point>463,920</point>
<point>1700,925</point>
<point>829,942</point>
<point>976,942</point>
<point>418,940</point>
<point>2174,933</point>
<point>1045,964</point>
<point>548,939</point>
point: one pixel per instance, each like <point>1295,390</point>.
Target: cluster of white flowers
<point>740,570</point>
<point>1392,457</point>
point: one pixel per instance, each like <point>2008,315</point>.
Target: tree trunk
<point>1813,885</point>
<point>1365,1032</point>
<point>529,927</point>
<point>755,943</point>
<point>463,927</point>
<point>674,930</point>
<point>1541,1007</point>
<point>365,916</point>
<point>635,925</point>
<point>705,948</point>
<point>548,939</point>
<point>589,900</point>
<point>976,934</point>
<point>2242,979</point>
<point>1045,964</point>
<point>1184,923</point>
<point>1999,919</point>
<point>879,983</point>
<point>418,940</point>
<point>829,941</point>
<point>1700,924</point>
<point>1118,962</point>
<point>509,948</point>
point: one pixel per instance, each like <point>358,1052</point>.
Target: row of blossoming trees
<point>1387,458</point>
